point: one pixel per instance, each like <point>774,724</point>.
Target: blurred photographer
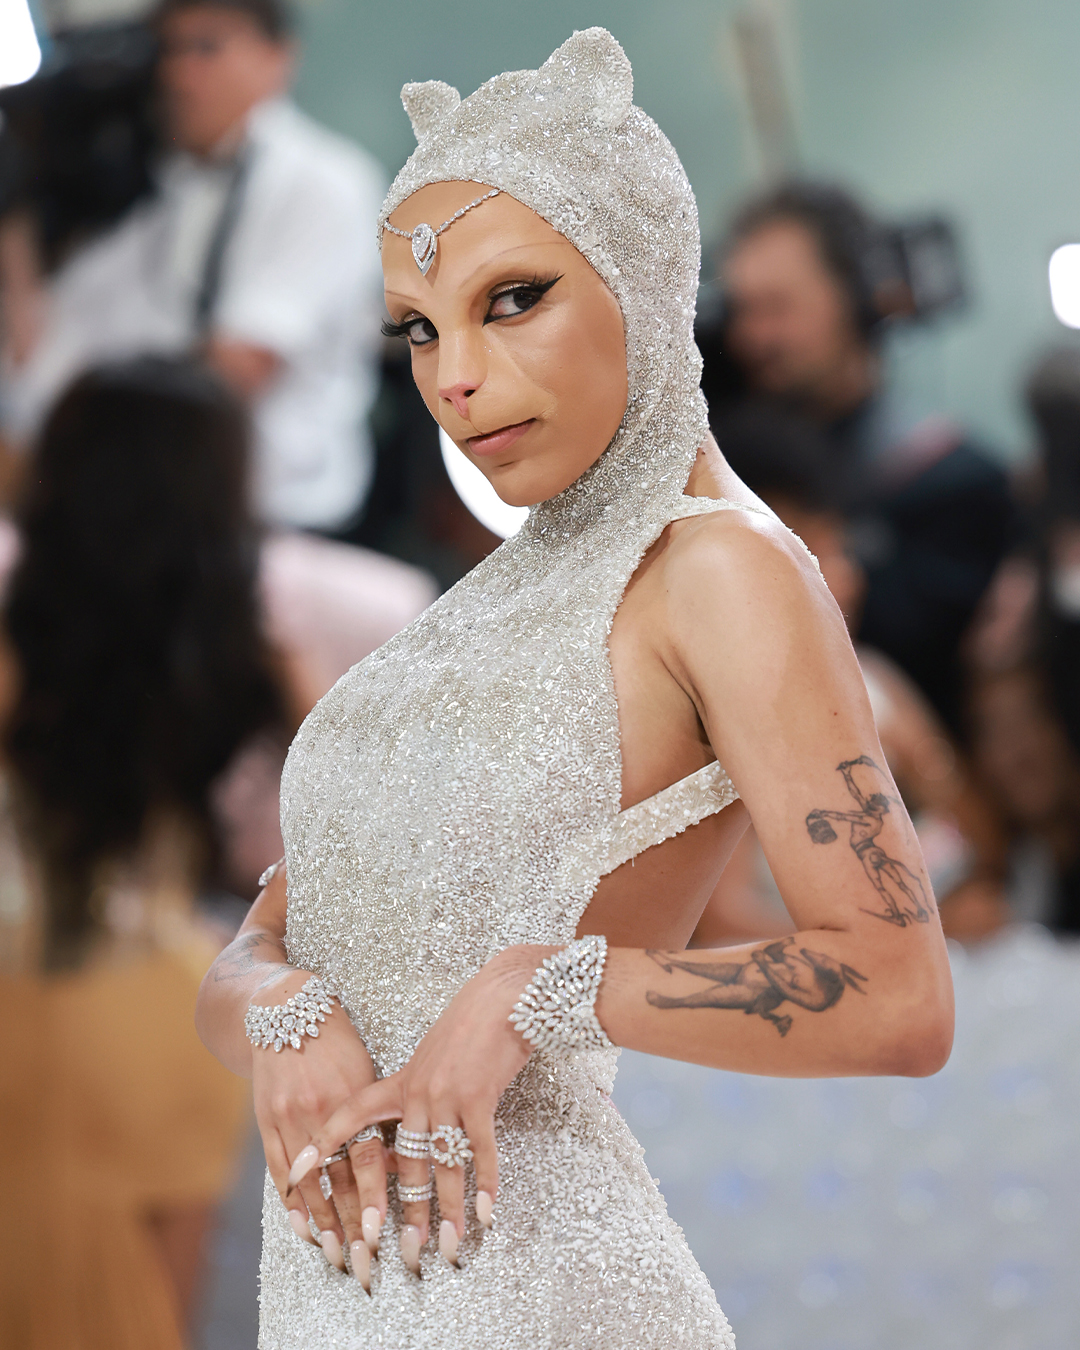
<point>809,283</point>
<point>255,249</point>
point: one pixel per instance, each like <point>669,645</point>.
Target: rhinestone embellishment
<point>556,1012</point>
<point>424,246</point>
<point>456,1151</point>
<point>285,1023</point>
<point>425,238</point>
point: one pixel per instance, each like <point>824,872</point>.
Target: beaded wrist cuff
<point>285,1023</point>
<point>556,1012</point>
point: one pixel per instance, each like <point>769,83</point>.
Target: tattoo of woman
<point>905,897</point>
<point>772,975</point>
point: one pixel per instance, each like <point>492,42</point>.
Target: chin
<point>528,483</point>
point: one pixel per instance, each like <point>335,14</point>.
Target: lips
<point>495,441</point>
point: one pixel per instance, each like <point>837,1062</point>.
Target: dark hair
<point>848,238</point>
<point>273,18</point>
<point>1053,399</point>
<point>133,616</point>
<point>778,454</point>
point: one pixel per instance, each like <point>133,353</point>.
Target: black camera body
<point>77,141</point>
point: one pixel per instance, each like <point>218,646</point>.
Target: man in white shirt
<point>258,249</point>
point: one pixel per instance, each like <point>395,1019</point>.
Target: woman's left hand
<point>455,1079</point>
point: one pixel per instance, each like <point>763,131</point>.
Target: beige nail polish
<point>410,1247</point>
<point>328,1241</point>
<point>300,1226</point>
<point>361,1264</point>
<point>370,1224</point>
<point>484,1207</point>
<point>303,1163</point>
<point>448,1241</point>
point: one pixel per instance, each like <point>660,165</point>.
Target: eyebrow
<point>487,263</point>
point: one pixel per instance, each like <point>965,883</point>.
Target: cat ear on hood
<point>592,70</point>
<point>428,104</point>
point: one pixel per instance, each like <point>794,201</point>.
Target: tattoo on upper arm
<point>905,898</point>
<point>243,955</point>
<point>758,985</point>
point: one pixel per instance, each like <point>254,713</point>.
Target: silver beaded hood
<point>567,141</point>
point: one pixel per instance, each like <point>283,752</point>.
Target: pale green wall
<point>971,106</point>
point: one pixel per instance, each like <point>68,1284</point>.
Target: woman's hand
<point>456,1077</point>
<point>295,1091</point>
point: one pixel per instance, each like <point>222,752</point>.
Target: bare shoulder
<point>738,557</point>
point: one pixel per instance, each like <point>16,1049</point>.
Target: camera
<point>77,140</point>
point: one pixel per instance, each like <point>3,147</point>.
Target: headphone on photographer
<point>888,272</point>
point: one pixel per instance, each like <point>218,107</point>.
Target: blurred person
<point>1023,752</point>
<point>786,460</point>
<point>257,249</point>
<point>1053,400</point>
<point>154,661</point>
<point>803,324</point>
<point>134,669</point>
<point>1024,656</point>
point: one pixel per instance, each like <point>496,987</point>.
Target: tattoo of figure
<point>240,956</point>
<point>773,975</point>
<point>905,897</point>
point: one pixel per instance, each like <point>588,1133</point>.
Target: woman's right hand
<point>295,1091</point>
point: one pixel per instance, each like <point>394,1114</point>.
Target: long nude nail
<point>448,1241</point>
<point>361,1264</point>
<point>484,1207</point>
<point>305,1160</point>
<point>328,1241</point>
<point>410,1247</point>
<point>301,1227</point>
<point>371,1224</point>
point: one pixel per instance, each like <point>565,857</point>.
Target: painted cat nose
<point>458,395</point>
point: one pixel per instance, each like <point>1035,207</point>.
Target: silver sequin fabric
<point>459,790</point>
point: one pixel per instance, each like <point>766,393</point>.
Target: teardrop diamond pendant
<point>424,247</point>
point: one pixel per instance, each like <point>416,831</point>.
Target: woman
<point>540,756</point>
<point>134,671</point>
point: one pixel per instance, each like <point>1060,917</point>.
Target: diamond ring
<point>456,1152</point>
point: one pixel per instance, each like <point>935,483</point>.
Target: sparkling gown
<point>459,791</point>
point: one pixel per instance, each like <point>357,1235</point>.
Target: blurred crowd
<point>220,492</point>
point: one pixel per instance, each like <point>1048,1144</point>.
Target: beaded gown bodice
<point>459,791</point>
<point>455,793</point>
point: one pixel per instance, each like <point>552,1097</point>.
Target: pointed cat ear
<point>593,69</point>
<point>428,104</point>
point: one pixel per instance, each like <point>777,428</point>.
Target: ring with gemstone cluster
<point>415,1195</point>
<point>362,1136</point>
<point>412,1143</point>
<point>456,1152</point>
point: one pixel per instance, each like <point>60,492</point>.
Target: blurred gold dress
<point>111,1113</point>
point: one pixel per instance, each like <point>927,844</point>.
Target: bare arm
<point>254,961</point>
<point>293,1091</point>
<point>863,985</point>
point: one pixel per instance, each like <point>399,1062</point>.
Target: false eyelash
<point>389,329</point>
<point>539,284</point>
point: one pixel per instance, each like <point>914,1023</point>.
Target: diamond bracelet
<point>557,1010</point>
<point>285,1023</point>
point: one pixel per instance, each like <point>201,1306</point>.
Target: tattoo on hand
<point>906,899</point>
<point>772,975</point>
<point>239,957</point>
